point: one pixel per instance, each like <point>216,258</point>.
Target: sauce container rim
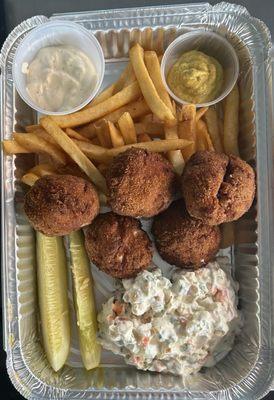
<point>213,36</point>
<point>39,30</point>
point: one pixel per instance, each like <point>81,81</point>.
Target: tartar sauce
<point>177,325</point>
<point>59,78</point>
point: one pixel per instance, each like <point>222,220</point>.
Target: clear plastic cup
<point>55,33</point>
<point>211,44</point>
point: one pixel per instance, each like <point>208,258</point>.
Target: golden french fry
<point>41,133</point>
<point>38,145</point>
<point>144,137</point>
<point>115,135</point>
<point>159,146</point>
<point>12,147</point>
<point>102,132</point>
<point>125,96</point>
<point>136,109</point>
<point>75,135</point>
<point>228,235</point>
<point>154,70</point>
<point>29,179</point>
<point>93,151</point>
<point>187,112</point>
<point>150,94</point>
<point>231,122</point>
<point>32,128</point>
<point>104,95</point>
<point>69,146</point>
<point>187,131</point>
<point>211,119</point>
<point>102,199</point>
<point>127,128</point>
<point>43,169</point>
<point>96,141</point>
<point>174,156</point>
<point>203,141</point>
<point>200,113</point>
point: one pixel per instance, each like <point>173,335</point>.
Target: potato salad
<point>175,325</point>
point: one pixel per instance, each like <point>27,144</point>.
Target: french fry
<point>174,156</point>
<point>96,141</point>
<point>43,169</point>
<point>125,96</point>
<point>12,147</point>
<point>87,130</point>
<point>126,78</point>
<point>144,137</point>
<point>159,146</point>
<point>69,146</point>
<point>104,95</point>
<point>187,128</point>
<point>154,70</point>
<point>211,119</point>
<point>102,132</point>
<point>150,94</point>
<point>127,128</point>
<point>41,133</point>
<point>228,235</point>
<point>32,128</point>
<point>200,113</point>
<point>95,152</point>
<point>37,144</point>
<point>203,139</point>
<point>231,122</point>
<point>75,135</point>
<point>102,199</point>
<point>115,135</point>
<point>29,178</point>
<point>102,168</point>
<point>187,113</point>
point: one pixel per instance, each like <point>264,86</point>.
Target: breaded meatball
<point>118,246</point>
<point>140,183</point>
<point>217,188</point>
<point>59,204</point>
<point>182,240</point>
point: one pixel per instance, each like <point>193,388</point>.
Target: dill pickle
<point>84,302</point>
<point>53,298</point>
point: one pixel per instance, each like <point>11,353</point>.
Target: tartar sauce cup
<point>56,33</point>
<point>212,45</point>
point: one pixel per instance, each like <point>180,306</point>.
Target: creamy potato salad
<point>176,325</point>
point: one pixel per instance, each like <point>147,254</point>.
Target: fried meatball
<point>118,246</point>
<point>59,204</point>
<point>182,240</point>
<point>140,183</point>
<point>217,188</point>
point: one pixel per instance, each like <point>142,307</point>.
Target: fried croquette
<point>118,246</point>
<point>182,240</point>
<point>59,204</point>
<point>140,183</point>
<point>217,188</point>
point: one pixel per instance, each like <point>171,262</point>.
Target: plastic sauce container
<point>212,45</point>
<point>55,33</point>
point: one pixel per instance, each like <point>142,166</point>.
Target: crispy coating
<point>217,188</point>
<point>60,204</point>
<point>118,246</point>
<point>140,183</point>
<point>182,240</point>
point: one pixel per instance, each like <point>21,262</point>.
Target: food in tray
<point>118,246</point>
<point>58,204</point>
<point>59,78</point>
<point>141,151</point>
<point>53,298</point>
<point>84,302</point>
<point>175,325</point>
<point>140,183</point>
<point>217,188</point>
<point>196,77</point>
<point>182,240</point>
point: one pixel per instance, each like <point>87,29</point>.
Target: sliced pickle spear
<point>84,302</point>
<point>53,298</point>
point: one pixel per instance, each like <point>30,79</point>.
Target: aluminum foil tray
<point>247,371</point>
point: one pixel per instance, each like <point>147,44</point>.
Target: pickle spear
<point>53,298</point>
<point>84,301</point>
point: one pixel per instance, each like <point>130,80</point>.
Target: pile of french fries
<point>136,110</point>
